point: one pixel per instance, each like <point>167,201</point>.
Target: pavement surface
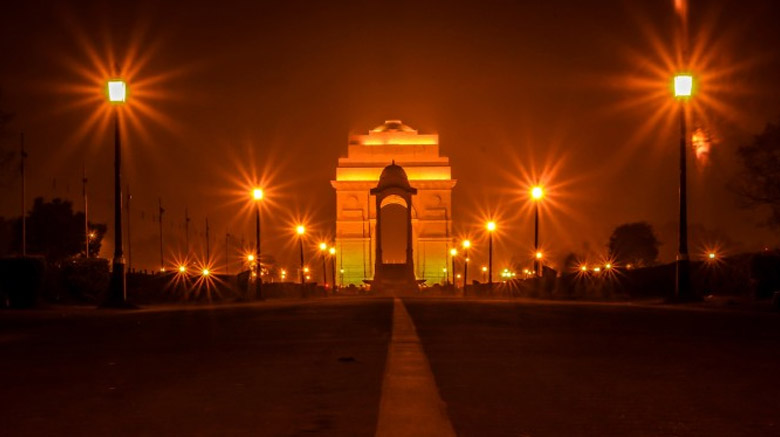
<point>379,366</point>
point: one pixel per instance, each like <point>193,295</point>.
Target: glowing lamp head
<point>466,244</point>
<point>484,269</point>
<point>537,193</point>
<point>538,255</point>
<point>300,229</point>
<point>597,269</point>
<point>182,269</point>
<point>117,91</point>
<point>711,255</point>
<point>250,257</point>
<point>608,266</point>
<point>584,268</point>
<point>453,252</point>
<point>332,251</point>
<point>323,247</point>
<point>491,226</point>
<point>206,272</point>
<point>257,194</point>
<point>305,270</point>
<point>683,85</point>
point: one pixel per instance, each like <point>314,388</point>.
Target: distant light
<point>597,269</point>
<point>484,269</point>
<point>91,235</point>
<point>300,229</point>
<point>537,192</point>
<point>538,255</point>
<point>444,270</point>
<point>584,268</point>
<point>182,269</point>
<point>254,274</point>
<point>712,255</point>
<point>466,244</point>
<point>629,266</point>
<point>117,91</point>
<point>308,277</point>
<point>332,250</point>
<point>162,269</point>
<point>341,270</point>
<point>305,270</point>
<point>458,276</point>
<point>257,194</point>
<point>453,252</point>
<point>683,85</point>
<point>206,272</point>
<point>608,266</point>
<point>491,226</point>
<point>323,246</point>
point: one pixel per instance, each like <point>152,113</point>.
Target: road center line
<point>410,404</point>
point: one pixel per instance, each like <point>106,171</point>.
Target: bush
<point>21,281</point>
<point>85,279</point>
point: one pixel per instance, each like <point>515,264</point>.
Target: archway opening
<point>394,231</point>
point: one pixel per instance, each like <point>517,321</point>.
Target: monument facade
<point>429,210</point>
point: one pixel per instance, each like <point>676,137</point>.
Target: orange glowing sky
<point>570,95</point>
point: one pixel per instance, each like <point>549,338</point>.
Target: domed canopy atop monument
<point>393,126</point>
<point>393,176</point>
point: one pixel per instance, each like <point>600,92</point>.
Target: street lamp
<point>453,254</point>
<point>491,227</point>
<point>117,294</point>
<point>537,194</point>
<point>466,247</point>
<point>301,230</point>
<point>683,90</point>
<point>257,195</point>
<point>323,253</point>
<point>332,252</point>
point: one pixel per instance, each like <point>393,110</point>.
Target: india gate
<point>394,201</point>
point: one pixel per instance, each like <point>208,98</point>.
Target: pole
<point>118,291</point>
<point>682,289</point>
<point>208,247</point>
<point>186,231</point>
<point>537,261</point>
<point>258,265</point>
<point>490,261</point>
<point>227,244</point>
<point>465,269</point>
<point>333,271</point>
<point>303,277</point>
<point>129,241</point>
<point>23,155</point>
<point>452,273</point>
<point>86,210</point>
<point>161,211</point>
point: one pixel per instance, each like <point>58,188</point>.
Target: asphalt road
<point>317,367</point>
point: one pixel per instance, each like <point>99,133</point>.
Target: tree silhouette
<point>759,182</point>
<point>634,243</point>
<point>56,232</point>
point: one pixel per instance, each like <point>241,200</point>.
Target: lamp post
<point>332,252</point>
<point>301,230</point>
<point>117,294</point>
<point>491,227</point>
<point>257,195</point>
<point>537,194</point>
<point>683,89</point>
<point>323,252</point>
<point>466,246</point>
<point>453,254</point>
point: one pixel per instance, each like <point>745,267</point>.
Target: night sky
<point>575,93</point>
